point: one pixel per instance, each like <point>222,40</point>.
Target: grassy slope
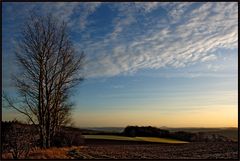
<point>147,139</point>
<point>160,140</point>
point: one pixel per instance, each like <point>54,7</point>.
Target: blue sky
<point>160,64</point>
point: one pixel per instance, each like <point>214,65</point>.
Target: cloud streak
<point>143,35</point>
<point>180,42</point>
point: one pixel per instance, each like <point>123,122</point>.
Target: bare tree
<point>50,67</point>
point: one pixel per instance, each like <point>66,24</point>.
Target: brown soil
<point>105,149</point>
<point>113,150</point>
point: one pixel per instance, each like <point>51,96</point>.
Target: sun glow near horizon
<point>217,116</point>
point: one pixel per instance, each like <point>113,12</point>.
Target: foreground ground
<point>156,151</point>
<point>106,149</point>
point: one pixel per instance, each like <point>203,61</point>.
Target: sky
<point>169,64</point>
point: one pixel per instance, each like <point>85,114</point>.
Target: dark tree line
<point>134,131</point>
<point>49,68</point>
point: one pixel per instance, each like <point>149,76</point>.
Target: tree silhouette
<point>49,67</point>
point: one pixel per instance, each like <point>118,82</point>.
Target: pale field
<point>125,138</point>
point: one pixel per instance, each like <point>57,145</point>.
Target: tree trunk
<point>48,132</point>
<point>42,138</point>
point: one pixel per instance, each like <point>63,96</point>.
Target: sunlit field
<point>143,139</point>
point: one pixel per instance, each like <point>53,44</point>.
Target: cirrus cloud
<point>140,35</point>
<point>180,42</point>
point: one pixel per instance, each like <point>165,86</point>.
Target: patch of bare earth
<point>162,151</point>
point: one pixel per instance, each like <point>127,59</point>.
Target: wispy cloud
<point>209,58</point>
<point>84,12</point>
<point>146,6</point>
<point>146,35</point>
<point>75,13</point>
<point>117,86</point>
<point>181,42</point>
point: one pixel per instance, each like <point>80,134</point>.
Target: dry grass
<point>6,156</point>
<point>125,138</point>
<point>52,153</point>
<point>161,140</point>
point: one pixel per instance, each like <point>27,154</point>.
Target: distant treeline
<point>149,131</point>
<point>133,131</point>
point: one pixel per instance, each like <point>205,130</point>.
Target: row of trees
<point>49,67</point>
<point>134,131</point>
